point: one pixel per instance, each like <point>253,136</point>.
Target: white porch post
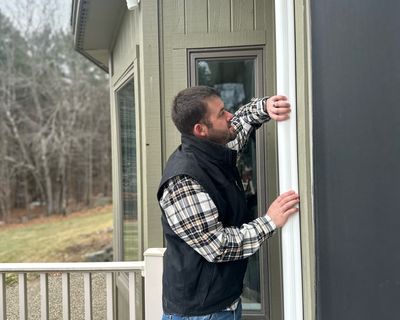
<point>287,155</point>
<point>153,261</point>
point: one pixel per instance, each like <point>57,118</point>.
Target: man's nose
<point>229,116</point>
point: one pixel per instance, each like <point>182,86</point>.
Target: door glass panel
<point>234,79</point>
<point>126,108</point>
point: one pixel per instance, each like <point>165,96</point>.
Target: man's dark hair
<point>190,107</point>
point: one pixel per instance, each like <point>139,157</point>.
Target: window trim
<point>255,52</point>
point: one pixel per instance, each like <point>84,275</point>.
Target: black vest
<point>192,285</point>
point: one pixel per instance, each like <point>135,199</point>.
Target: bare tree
<point>54,122</point>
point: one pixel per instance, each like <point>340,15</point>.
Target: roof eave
<point>93,25</point>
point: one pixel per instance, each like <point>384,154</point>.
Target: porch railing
<point>150,269</point>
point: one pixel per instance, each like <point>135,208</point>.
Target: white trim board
<point>287,159</point>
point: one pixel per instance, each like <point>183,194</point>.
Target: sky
<point>28,14</point>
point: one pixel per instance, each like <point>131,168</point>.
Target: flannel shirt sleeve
<point>193,216</point>
<point>248,117</point>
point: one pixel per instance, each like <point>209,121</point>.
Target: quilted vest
<point>191,285</point>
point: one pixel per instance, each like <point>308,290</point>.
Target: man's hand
<point>278,108</point>
<point>283,207</point>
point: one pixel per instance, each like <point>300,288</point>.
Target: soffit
<point>94,24</point>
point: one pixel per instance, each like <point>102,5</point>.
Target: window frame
<point>121,278</point>
<point>121,253</point>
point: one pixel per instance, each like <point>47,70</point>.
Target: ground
<point>57,238</point>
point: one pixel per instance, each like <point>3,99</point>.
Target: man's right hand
<point>283,207</point>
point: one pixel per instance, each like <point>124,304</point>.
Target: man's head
<point>199,111</point>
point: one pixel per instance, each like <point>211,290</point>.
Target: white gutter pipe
<point>287,158</point>
<point>132,4</point>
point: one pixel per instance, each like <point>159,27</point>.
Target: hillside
<point>57,238</point>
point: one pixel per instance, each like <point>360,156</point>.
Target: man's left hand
<point>278,108</point>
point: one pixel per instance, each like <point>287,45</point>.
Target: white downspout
<point>287,158</point>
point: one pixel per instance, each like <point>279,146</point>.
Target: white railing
<point>150,268</point>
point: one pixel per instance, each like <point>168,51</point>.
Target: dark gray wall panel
<point>356,95</point>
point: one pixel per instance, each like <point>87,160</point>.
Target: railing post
<point>3,310</point>
<point>23,301</point>
<point>66,301</point>
<point>153,269</point>
<point>132,296</point>
<point>44,296</point>
<point>110,295</point>
<point>87,280</point>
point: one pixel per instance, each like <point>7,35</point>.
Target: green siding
<point>196,14</point>
<point>124,53</point>
<point>243,15</point>
<point>219,16</point>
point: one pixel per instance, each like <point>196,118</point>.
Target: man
<point>205,220</point>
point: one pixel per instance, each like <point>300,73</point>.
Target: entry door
<point>237,75</point>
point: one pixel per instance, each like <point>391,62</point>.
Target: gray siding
<point>356,85</point>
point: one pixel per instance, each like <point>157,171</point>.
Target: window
<point>127,129</point>
<point>236,75</point>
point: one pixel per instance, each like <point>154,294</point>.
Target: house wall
<point>356,83</point>
<point>153,50</point>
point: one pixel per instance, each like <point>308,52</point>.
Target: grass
<point>57,239</point>
<point>130,238</point>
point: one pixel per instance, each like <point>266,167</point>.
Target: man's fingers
<point>278,97</point>
<point>279,113</point>
<point>280,110</point>
<point>281,104</point>
<point>288,193</point>
<point>285,195</point>
<point>289,205</point>
<point>284,206</point>
<point>281,117</point>
<point>291,211</point>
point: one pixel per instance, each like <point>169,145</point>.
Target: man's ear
<point>200,130</point>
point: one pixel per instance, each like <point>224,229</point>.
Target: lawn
<point>57,239</point>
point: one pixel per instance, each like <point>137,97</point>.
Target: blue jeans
<point>222,315</point>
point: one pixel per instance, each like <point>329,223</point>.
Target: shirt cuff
<point>261,107</point>
<point>267,225</point>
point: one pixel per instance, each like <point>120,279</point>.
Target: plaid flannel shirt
<point>193,216</point>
